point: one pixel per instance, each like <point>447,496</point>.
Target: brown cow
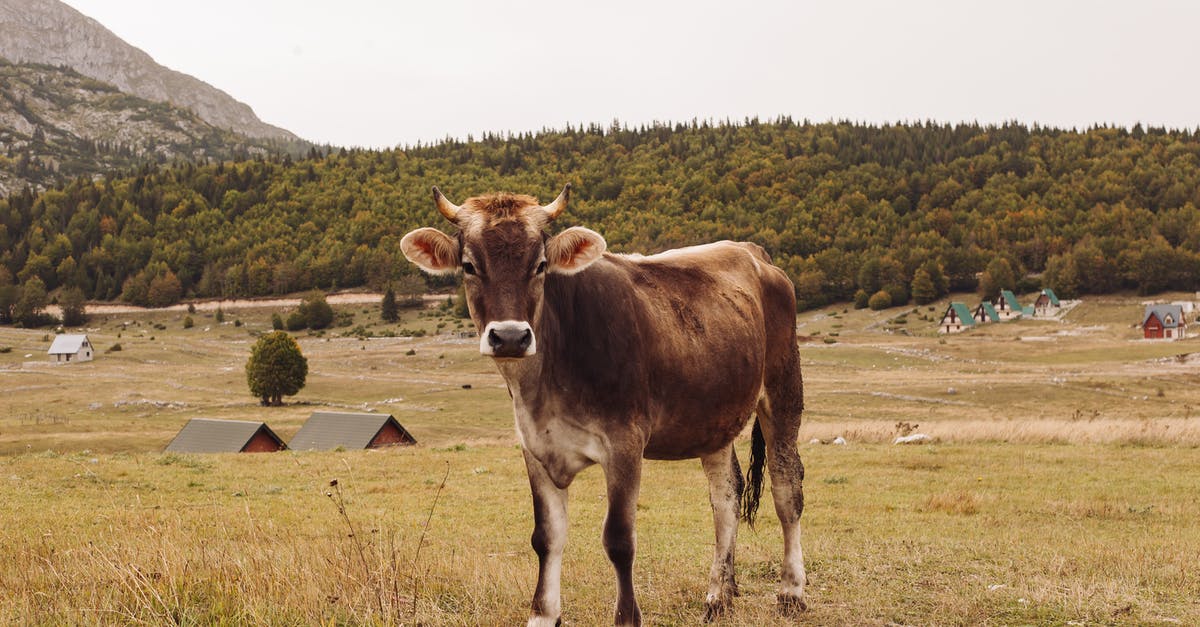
<point>614,358</point>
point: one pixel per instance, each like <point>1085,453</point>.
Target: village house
<point>957,318</point>
<point>67,348</point>
<point>986,312</point>
<point>1164,322</point>
<point>326,430</point>
<point>205,435</point>
<point>1047,303</point>
<point>1008,307</point>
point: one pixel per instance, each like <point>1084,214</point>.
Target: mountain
<point>51,33</point>
<point>58,124</point>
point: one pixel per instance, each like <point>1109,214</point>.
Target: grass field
<point>1061,487</point>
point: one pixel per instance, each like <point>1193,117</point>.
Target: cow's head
<point>504,256</point>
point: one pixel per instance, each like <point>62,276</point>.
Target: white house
<point>71,348</point>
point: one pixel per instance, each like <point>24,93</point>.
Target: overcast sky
<point>384,73</point>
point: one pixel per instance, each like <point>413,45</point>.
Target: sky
<point>379,73</point>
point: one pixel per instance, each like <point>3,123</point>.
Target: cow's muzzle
<point>507,339</point>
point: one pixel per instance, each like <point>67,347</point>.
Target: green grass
<point>1061,486</point>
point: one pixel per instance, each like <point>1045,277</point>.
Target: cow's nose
<point>508,339</point>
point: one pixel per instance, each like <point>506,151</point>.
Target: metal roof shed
<point>65,347</point>
<point>327,430</point>
<point>205,435</point>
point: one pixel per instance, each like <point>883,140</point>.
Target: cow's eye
<point>541,268</point>
<point>468,268</point>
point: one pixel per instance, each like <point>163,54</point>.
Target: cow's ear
<point>432,250</point>
<point>573,250</point>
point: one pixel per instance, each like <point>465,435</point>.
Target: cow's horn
<point>445,207</point>
<point>553,209</point>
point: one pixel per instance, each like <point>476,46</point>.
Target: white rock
<point>839,440</point>
<point>916,438</point>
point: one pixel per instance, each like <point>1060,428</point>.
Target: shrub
<point>861,299</point>
<point>276,322</point>
<point>188,322</point>
<point>296,321</point>
<point>880,300</point>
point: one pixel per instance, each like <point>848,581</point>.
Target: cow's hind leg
<point>779,416</point>
<point>724,493</point>
<point>549,539</point>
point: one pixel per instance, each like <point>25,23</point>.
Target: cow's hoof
<point>716,609</point>
<point>791,605</point>
<point>543,621</point>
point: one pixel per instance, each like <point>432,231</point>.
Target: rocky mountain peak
<point>52,33</point>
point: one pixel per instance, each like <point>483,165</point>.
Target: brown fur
<point>502,206</point>
<point>663,357</point>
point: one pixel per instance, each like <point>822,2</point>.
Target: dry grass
<point>1060,485</point>
<point>961,534</point>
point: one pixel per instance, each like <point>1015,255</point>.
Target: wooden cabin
<point>956,319</point>
<point>986,312</point>
<point>205,435</point>
<point>1047,303</point>
<point>1007,306</point>
<point>327,430</point>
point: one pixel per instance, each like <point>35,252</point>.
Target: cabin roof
<point>327,430</point>
<point>1175,312</point>
<point>1051,295</point>
<point>990,310</point>
<point>1012,301</point>
<point>206,435</point>
<point>964,314</point>
<point>67,344</point>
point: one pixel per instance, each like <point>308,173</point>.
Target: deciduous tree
<point>276,368</point>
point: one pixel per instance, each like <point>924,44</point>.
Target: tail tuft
<point>754,475</point>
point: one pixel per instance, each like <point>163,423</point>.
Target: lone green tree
<point>389,311</point>
<point>74,313</point>
<point>276,368</point>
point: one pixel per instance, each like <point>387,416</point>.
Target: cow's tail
<point>754,474</point>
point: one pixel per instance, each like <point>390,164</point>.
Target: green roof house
<point>1008,306</point>
<point>986,312</point>
<point>957,318</point>
<point>1047,303</point>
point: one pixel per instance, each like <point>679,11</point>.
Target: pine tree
<point>389,311</point>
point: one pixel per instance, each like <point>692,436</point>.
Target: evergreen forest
<point>848,210</point>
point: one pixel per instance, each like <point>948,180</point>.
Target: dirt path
<point>347,298</point>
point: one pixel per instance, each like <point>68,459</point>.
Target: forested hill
<point>842,207</point>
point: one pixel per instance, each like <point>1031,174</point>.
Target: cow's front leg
<point>549,539</point>
<point>623,474</point>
